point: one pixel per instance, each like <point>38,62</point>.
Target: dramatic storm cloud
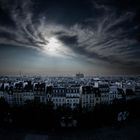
<point>100,35</point>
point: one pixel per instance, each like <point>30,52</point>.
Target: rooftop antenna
<point>20,74</point>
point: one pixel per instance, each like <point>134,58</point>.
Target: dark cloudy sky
<point>69,36</point>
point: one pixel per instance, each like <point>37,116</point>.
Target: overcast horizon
<point>59,37</point>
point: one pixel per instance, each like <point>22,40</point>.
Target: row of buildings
<point>71,93</point>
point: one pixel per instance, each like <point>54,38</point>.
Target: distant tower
<point>79,75</point>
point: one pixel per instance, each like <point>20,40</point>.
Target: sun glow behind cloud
<point>52,46</point>
<point>56,48</point>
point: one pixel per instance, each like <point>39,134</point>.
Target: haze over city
<point>56,37</point>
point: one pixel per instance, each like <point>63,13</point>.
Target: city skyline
<point>50,37</point>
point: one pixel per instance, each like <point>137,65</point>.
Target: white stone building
<point>89,96</point>
<point>73,97</point>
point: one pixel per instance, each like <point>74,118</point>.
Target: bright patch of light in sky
<point>55,47</point>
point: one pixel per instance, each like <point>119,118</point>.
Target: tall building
<point>79,75</point>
